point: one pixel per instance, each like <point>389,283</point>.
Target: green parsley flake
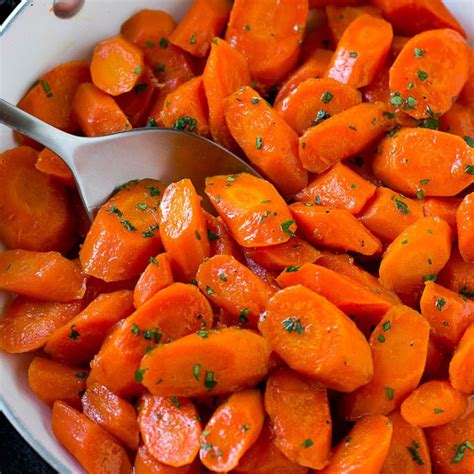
<point>74,335</point>
<point>469,140</point>
<point>222,277</point>
<point>245,428</point>
<point>307,443</point>
<point>185,123</point>
<point>243,315</point>
<point>46,87</point>
<point>135,329</point>
<point>326,97</point>
<point>160,68</point>
<point>411,102</point>
<point>425,181</point>
<point>128,225</point>
<point>291,269</point>
<point>152,123</point>
<point>389,393</point>
<point>115,210</point>
<point>293,324</point>
<point>429,277</point>
<point>202,333</point>
<point>209,381</point>
<point>413,450</point>
<point>396,99</point>
<point>196,370</point>
<point>431,123</point>
<point>381,338</point>
<point>422,75</point>
<point>437,411</point>
<point>80,375</point>
<point>469,169</point>
<point>175,401</point>
<point>193,39</point>
<point>404,241</point>
<point>137,70</point>
<point>143,206</point>
<point>247,27</point>
<point>440,302</point>
<point>419,53</point>
<point>255,100</point>
<point>139,375</point>
<point>154,261</point>
<point>387,326</point>
<point>198,235</point>
<point>258,143</point>
<point>321,115</point>
<point>209,290</point>
<point>285,227</point>
<point>149,44</point>
<point>420,194</point>
<point>211,235</point>
<point>353,54</point>
<point>400,205</point>
<point>460,449</point>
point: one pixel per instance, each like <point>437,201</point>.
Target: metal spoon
<point>101,164</point>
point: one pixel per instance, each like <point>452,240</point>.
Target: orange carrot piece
<point>270,144</point>
<point>466,96</point>
<point>170,429</point>
<point>220,241</point>
<point>51,381</point>
<point>399,346</point>
<point>50,163</point>
<point>458,120</point>
<point>437,361</point>
<point>94,448</point>
<point>112,413</point>
<point>445,208</point>
<point>458,275</point>
<point>228,359</point>
<point>465,225</point>
<point>261,272</point>
<point>356,129</point>
<point>124,233</point>
<point>205,20</point>
<point>183,229</point>
<point>461,367</point>
<point>317,35</point>
<point>255,214</point>
<point>145,463</point>
<point>232,430</point>
<point>325,3</point>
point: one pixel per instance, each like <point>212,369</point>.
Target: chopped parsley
<point>152,123</point>
<point>135,329</point>
<point>381,338</point>
<point>291,269</point>
<point>307,443</point>
<point>80,375</point>
<point>413,450</point>
<point>160,68</point>
<point>396,99</point>
<point>419,53</point>
<point>353,54</point>
<point>137,70</point>
<point>400,205</point>
<point>47,88</point>
<point>73,334</point>
<point>293,324</point>
<point>139,375</point>
<point>440,302</point>
<point>469,140</point>
<point>209,290</point>
<point>387,326</point>
<point>163,42</point>
<point>196,370</point>
<point>255,100</point>
<point>209,381</point>
<point>222,277</point>
<point>185,123</point>
<point>437,411</point>
<point>425,181</point>
<point>175,401</point>
<point>202,333</point>
<point>469,169</point>
<point>285,227</point>
<point>258,143</point>
<point>431,122</point>
<point>460,449</point>
<point>193,39</point>
<point>245,428</point>
<point>247,27</point>
<point>128,225</point>
<point>198,235</point>
<point>326,97</point>
<point>422,75</point>
<point>211,235</point>
<point>154,261</point>
<point>152,335</point>
<point>411,102</point>
<point>243,315</point>
<point>389,393</point>
<point>429,277</point>
<point>149,44</point>
<point>321,115</point>
<point>115,210</point>
<point>420,194</point>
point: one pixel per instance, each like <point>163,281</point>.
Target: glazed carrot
<point>80,338</point>
<point>33,224</point>
<point>226,70</point>
<point>458,275</point>
<point>416,255</point>
<point>51,164</point>
<point>465,225</point>
<point>356,129</point>
<point>339,187</point>
<point>112,413</point>
<point>431,69</point>
<point>97,113</point>
<point>466,96</point>
<point>317,35</point>
<point>262,272</point>
<point>220,241</point>
<point>299,412</point>
<point>255,214</point>
<point>424,162</point>
<point>170,314</point>
<point>207,363</point>
<point>51,381</point>
<point>324,3</point>
<point>364,449</point>
<point>157,275</point>
<point>186,108</point>
<point>399,346</point>
<point>458,120</point>
<point>145,463</point>
<point>234,288</point>
<point>335,351</point>
<point>315,100</point>
<point>267,33</point>
<point>183,229</point>
<point>170,429</point>
<point>270,144</point>
<point>93,447</point>
<point>232,430</point>
<point>408,452</point>
<point>433,403</point>
<point>335,228</point>
<point>44,275</point>
<point>202,22</point>
<point>447,312</point>
<point>361,51</point>
<point>461,367</point>
<point>147,27</point>
<point>437,361</point>
<point>124,233</point>
<point>445,208</point>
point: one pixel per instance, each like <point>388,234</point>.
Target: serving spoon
<point>102,164</point>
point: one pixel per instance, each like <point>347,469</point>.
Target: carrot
<point>335,351</point>
<point>315,100</point>
<point>157,275</point>
<point>51,164</point>
<point>466,97</point>
<point>458,275</point>
<point>416,255</point>
<point>207,363</point>
<point>339,187</point>
<point>186,108</point>
<point>356,129</point>
<point>262,272</point>
<point>145,463</point>
<point>226,70</point>
<point>124,233</point>
<point>81,338</point>
<point>147,26</point>
<point>234,288</point>
<point>424,162</point>
<point>170,429</point>
<point>43,275</point>
<point>465,225</point>
<point>112,413</point>
<point>364,449</point>
<point>183,229</point>
<point>232,430</point>
<point>299,412</point>
<point>202,22</point>
<point>267,33</point>
<point>170,314</point>
<point>408,452</point>
<point>431,69</point>
<point>445,208</point>
<point>437,361</point>
<point>361,51</point>
<point>336,228</point>
<point>433,403</point>
<point>458,120</point>
<point>399,346</point>
<point>317,35</point>
<point>255,214</point>
<point>461,367</point>
<point>51,381</point>
<point>448,314</point>
<point>324,3</point>
<point>220,241</point>
<point>268,141</point>
<point>93,447</point>
<point>28,222</point>
<point>97,113</point>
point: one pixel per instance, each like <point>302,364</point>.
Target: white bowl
<point>34,42</point>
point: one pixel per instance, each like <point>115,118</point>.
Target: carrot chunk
<point>465,225</point>
<point>220,241</point>
<point>145,463</point>
<point>461,367</point>
<point>445,208</point>
<point>50,163</point>
<point>458,275</point>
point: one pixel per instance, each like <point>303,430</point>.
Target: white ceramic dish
<point>34,42</point>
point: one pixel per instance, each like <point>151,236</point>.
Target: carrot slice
<point>458,275</point>
<point>50,163</point>
<point>325,3</point>
<point>458,120</point>
<point>465,225</point>
<point>252,209</point>
<point>445,208</point>
<point>232,430</point>
<point>220,241</point>
<point>112,413</point>
<point>461,367</point>
<point>93,447</point>
<point>437,361</point>
<point>466,97</point>
<point>207,363</point>
<point>145,463</point>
